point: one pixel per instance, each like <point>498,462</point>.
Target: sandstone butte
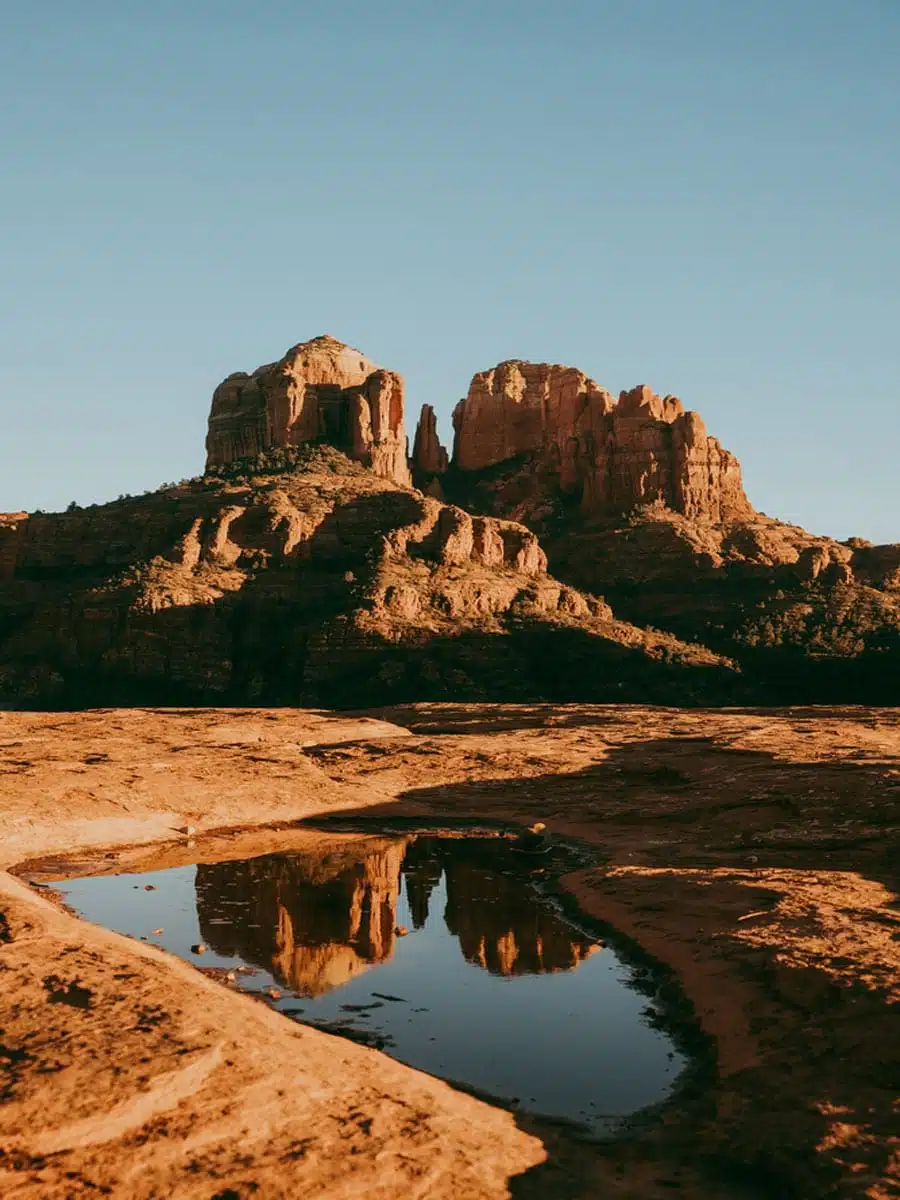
<point>640,449</point>
<point>615,455</point>
<point>281,934</point>
<point>320,390</point>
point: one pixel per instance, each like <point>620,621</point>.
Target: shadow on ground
<point>759,885</point>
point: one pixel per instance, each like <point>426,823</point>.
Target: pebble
<point>401,930</point>
<point>198,948</point>
<point>149,887</point>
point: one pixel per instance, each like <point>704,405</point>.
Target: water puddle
<point>441,951</point>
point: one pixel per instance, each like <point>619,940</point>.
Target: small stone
<point>149,887</point>
<point>156,932</point>
<point>401,930</point>
<point>198,948</point>
<point>273,993</point>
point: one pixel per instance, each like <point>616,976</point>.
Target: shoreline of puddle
<point>666,1012</point>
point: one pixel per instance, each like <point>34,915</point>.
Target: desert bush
<point>308,458</point>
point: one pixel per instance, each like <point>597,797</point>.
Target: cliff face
<point>634,500</point>
<point>614,455</point>
<point>320,390</point>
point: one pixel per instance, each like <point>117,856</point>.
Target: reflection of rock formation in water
<point>500,923</point>
<point>422,870</point>
<point>312,921</point>
<point>503,927</point>
<point>315,920</point>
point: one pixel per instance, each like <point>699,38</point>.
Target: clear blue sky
<point>701,195</point>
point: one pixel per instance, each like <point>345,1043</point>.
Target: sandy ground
<point>752,853</point>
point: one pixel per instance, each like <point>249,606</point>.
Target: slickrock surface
<point>321,389</point>
<point>612,454</point>
<point>752,853</point>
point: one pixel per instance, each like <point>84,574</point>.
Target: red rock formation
<point>641,450</point>
<point>503,935</point>
<point>319,389</point>
<point>429,456</point>
<point>520,408</point>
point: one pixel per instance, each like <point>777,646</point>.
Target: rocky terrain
<point>574,546</point>
<point>751,853</point>
<point>572,549</point>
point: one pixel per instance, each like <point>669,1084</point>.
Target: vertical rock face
<point>319,389</point>
<point>522,408</point>
<point>615,454</point>
<point>429,456</point>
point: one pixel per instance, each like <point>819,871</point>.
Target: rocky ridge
<point>323,583</point>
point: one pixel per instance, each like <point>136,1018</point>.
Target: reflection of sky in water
<point>571,1043</point>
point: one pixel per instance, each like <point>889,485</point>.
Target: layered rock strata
<point>327,586</point>
<point>615,455</point>
<point>321,390</point>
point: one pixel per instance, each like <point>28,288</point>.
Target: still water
<point>440,951</point>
